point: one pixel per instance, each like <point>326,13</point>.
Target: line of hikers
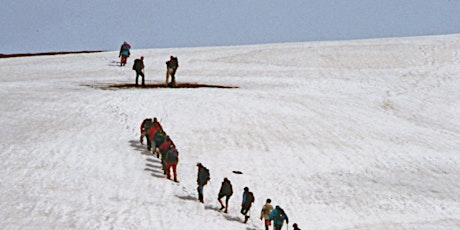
<point>171,65</point>
<point>163,146</point>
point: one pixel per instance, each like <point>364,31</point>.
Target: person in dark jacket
<point>139,68</point>
<point>124,53</point>
<point>248,199</point>
<point>163,150</point>
<point>171,159</point>
<point>278,216</point>
<point>144,127</point>
<point>171,68</point>
<point>202,179</point>
<point>226,191</point>
<point>296,227</point>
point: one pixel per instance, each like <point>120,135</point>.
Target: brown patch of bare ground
<point>154,86</point>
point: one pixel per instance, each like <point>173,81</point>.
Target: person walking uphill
<point>144,127</point>
<point>248,199</point>
<point>226,191</point>
<point>202,180</point>
<point>163,149</point>
<point>171,68</point>
<point>139,68</point>
<point>124,53</point>
<point>296,227</point>
<point>266,210</point>
<point>278,216</point>
<point>171,159</point>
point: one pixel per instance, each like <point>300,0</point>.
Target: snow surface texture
<point>343,135</point>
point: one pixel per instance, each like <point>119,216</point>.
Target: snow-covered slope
<point>343,135</point>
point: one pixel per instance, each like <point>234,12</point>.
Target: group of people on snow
<point>160,144</point>
<point>171,65</point>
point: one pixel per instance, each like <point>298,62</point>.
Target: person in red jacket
<point>163,149</point>
<point>154,128</point>
<point>171,159</point>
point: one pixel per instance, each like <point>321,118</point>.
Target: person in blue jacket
<point>124,53</point>
<point>248,199</point>
<point>278,216</point>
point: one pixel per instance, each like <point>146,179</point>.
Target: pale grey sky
<point>75,25</point>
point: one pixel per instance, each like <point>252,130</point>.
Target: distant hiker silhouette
<point>171,68</point>
<point>202,180</point>
<point>124,53</point>
<point>139,68</point>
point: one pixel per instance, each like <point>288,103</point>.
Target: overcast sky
<point>75,25</point>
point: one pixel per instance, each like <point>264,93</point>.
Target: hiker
<point>171,68</point>
<point>171,159</point>
<point>159,138</point>
<point>144,127</point>
<point>266,210</point>
<point>163,149</point>
<point>153,131</point>
<point>124,53</point>
<point>202,180</point>
<point>296,227</point>
<point>248,199</point>
<point>278,216</point>
<point>139,68</point>
<point>226,191</point>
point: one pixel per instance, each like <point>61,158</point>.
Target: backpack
<point>207,176</point>
<point>137,64</point>
<point>172,155</point>
<point>280,215</point>
<point>249,198</point>
<point>159,137</point>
